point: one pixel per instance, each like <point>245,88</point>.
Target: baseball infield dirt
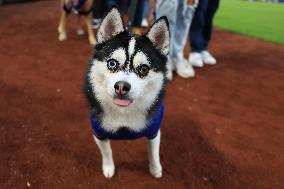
<point>223,129</point>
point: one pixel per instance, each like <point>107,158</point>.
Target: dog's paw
<point>108,170</point>
<point>62,36</point>
<point>156,170</point>
<point>80,31</point>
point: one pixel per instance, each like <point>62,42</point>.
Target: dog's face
<point>129,69</point>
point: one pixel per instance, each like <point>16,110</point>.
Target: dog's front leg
<point>62,27</point>
<point>92,39</point>
<point>80,30</point>
<point>108,165</point>
<point>154,156</point>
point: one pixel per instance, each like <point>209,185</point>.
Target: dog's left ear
<point>111,25</point>
<point>159,35</point>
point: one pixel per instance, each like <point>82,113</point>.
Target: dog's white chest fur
<point>132,118</point>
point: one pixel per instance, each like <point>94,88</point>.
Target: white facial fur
<point>144,91</point>
<point>131,46</point>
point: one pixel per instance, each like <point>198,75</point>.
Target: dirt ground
<point>222,130</point>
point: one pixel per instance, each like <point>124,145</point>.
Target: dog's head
<point>129,69</point>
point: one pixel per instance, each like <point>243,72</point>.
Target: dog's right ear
<point>111,25</point>
<point>159,35</point>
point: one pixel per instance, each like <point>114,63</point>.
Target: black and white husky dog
<point>125,84</point>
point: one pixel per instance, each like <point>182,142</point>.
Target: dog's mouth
<point>124,102</point>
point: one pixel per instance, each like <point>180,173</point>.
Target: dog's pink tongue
<point>121,102</point>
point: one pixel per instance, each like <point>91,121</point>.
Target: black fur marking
<point>156,59</point>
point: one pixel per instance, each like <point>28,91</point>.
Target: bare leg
<point>154,156</point>
<point>108,165</point>
<point>80,30</point>
<point>90,29</point>
<point>62,27</point>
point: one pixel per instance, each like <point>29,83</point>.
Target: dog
<point>80,8</point>
<point>125,84</point>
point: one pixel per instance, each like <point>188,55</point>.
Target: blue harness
<point>150,131</point>
<point>75,8</point>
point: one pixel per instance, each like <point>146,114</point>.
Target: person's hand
<point>192,2</point>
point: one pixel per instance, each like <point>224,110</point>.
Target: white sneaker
<point>195,59</point>
<point>144,23</point>
<point>183,68</point>
<point>96,23</point>
<point>207,58</point>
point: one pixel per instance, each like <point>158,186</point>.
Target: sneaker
<point>96,23</point>
<point>195,59</point>
<point>183,68</point>
<point>207,58</point>
<point>144,23</point>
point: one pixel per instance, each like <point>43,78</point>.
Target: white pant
<point>180,15</point>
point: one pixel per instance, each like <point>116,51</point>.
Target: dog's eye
<point>112,65</point>
<point>143,70</point>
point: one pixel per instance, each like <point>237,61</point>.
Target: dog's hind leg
<point>90,29</point>
<point>62,26</point>
<point>80,30</point>
<point>108,164</point>
<point>154,156</point>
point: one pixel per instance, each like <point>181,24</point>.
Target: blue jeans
<point>179,14</point>
<point>141,9</point>
<point>201,27</point>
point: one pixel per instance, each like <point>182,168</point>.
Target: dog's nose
<point>122,87</point>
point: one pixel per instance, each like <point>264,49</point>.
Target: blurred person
<point>121,4</point>
<point>102,6</point>
<point>145,12</point>
<point>179,14</point>
<point>140,18</point>
<point>200,33</point>
<point>99,9</point>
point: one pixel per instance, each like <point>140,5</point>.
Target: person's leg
<point>146,9</point>
<point>183,21</point>
<point>97,9</point>
<point>168,8</point>
<point>197,43</point>
<point>123,7</point>
<point>98,12</point>
<point>139,12</point>
<point>111,3</point>
<point>213,5</point>
<point>209,15</point>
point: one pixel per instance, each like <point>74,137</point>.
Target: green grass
<point>260,20</point>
